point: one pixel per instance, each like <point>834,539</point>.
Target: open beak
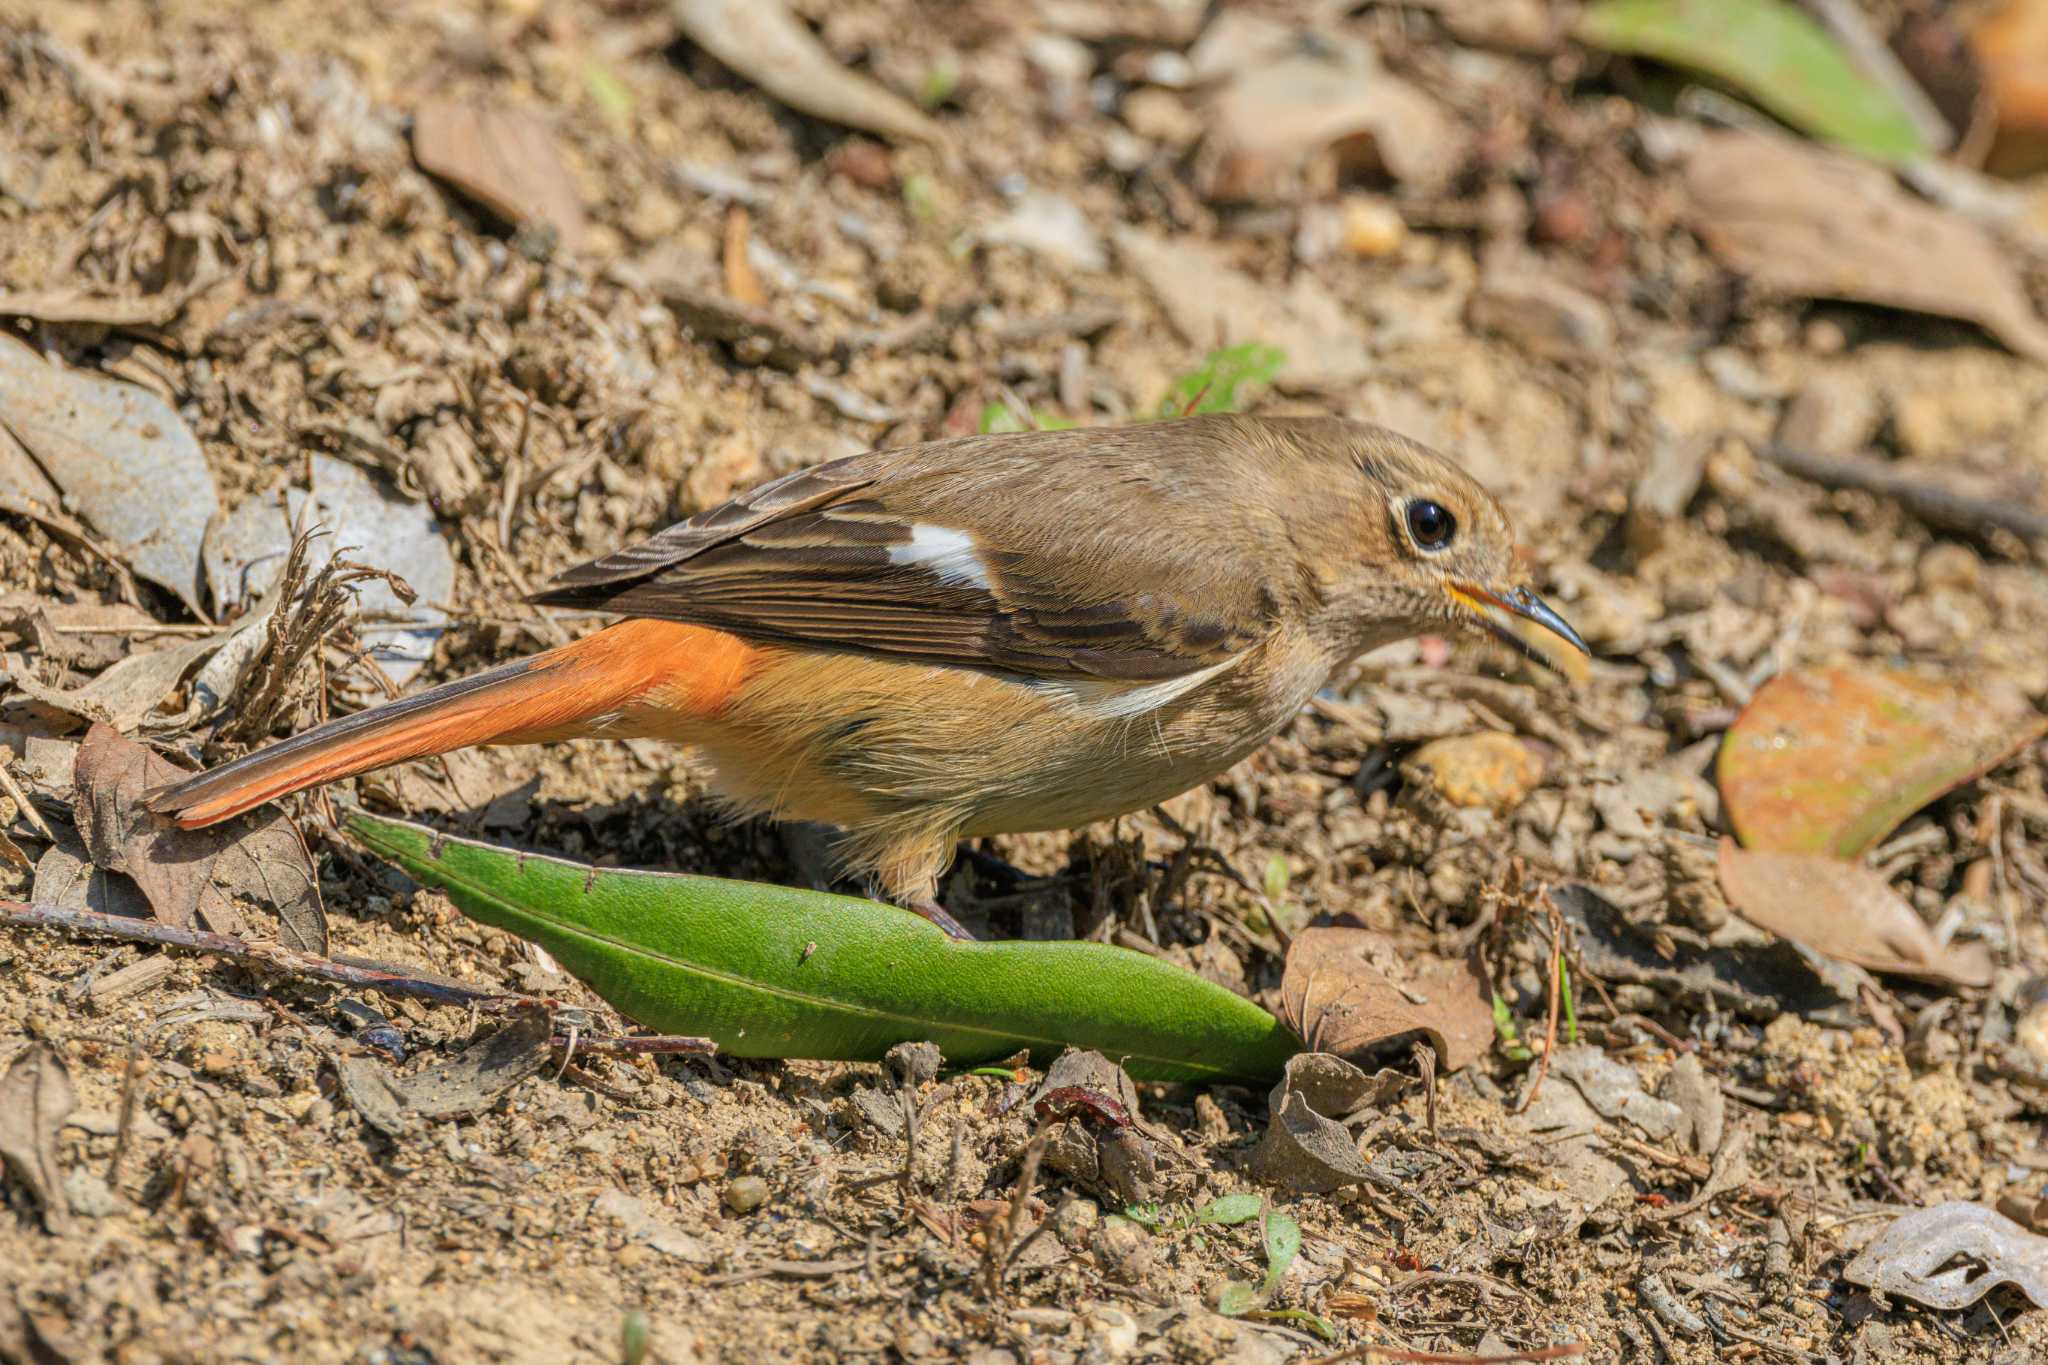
<point>1521,619</point>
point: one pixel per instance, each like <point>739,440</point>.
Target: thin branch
<point>1941,502</point>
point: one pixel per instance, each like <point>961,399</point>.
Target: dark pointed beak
<point>1525,622</point>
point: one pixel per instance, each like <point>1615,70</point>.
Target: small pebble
<point>1486,769</point>
<point>1372,227</point>
<point>1112,1333</point>
<point>1123,1250</point>
<point>1075,1221</point>
<point>746,1193</point>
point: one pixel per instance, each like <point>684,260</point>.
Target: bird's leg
<point>936,913</point>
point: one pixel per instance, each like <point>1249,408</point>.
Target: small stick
<point>28,810</point>
<point>1550,1026</point>
<point>1931,501</point>
<point>1371,1353</point>
<point>306,966</point>
<point>998,1262</point>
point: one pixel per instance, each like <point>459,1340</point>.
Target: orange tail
<point>639,677</point>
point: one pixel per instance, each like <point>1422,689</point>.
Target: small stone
<point>1488,769</point>
<point>631,1256</point>
<point>1949,565</point>
<point>1371,227</point>
<point>1161,116</point>
<point>90,1196</point>
<point>1542,316</point>
<point>1075,1221</point>
<point>1833,415</point>
<point>1112,1333</point>
<point>1123,1250</point>
<point>746,1193</point>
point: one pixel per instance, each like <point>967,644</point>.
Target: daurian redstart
<point>981,636</point>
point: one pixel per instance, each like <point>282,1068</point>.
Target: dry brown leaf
<point>1845,911</point>
<point>1336,1001</point>
<point>504,158</point>
<point>762,41</point>
<point>35,1096</point>
<point>128,694</point>
<point>194,874</point>
<point>1801,221</point>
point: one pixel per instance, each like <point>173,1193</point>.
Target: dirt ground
<point>549,399</point>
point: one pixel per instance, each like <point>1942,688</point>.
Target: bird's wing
<point>1033,554</point>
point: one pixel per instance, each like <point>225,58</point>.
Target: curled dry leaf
<point>505,159</point>
<point>1333,998</point>
<point>197,874</point>
<point>1831,760</point>
<point>128,694</point>
<point>117,454</point>
<point>1844,911</point>
<point>457,1089</point>
<point>1809,223</point>
<point>763,41</point>
<point>35,1097</point>
<point>1306,1149</point>
<point>1951,1255</point>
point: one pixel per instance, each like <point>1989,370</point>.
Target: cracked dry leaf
<point>1951,1255</point>
<point>1337,1002</point>
<point>35,1098</point>
<point>1831,760</point>
<point>119,455</point>
<point>1845,911</point>
<point>197,874</point>
<point>127,694</point>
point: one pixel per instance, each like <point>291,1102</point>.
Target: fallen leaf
<point>1615,1090</point>
<point>1304,1151</point>
<point>470,1084</point>
<point>1951,1255</point>
<point>121,458</point>
<point>1771,51</point>
<point>368,524</point>
<point>1334,1000</point>
<point>1336,95</point>
<point>1759,981</point>
<point>129,694</point>
<point>1846,911</point>
<point>1832,760</point>
<point>1052,226</point>
<point>35,1096</point>
<point>762,41</point>
<point>66,877</point>
<point>195,874</point>
<point>1212,304</point>
<point>504,158</point>
<point>1801,221</point>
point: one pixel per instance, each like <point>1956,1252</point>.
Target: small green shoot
<point>941,79</point>
<point>613,97</point>
<point>1223,381</point>
<point>1001,417</point>
<point>1277,877</point>
<point>1504,1025</point>
<point>1564,994</point>
<point>1282,1238</point>
<point>921,196</point>
<point>635,1336</point>
<point>1144,1215</point>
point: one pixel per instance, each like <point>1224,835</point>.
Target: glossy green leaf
<point>1771,51</point>
<point>1283,1244</point>
<point>1221,383</point>
<point>772,971</point>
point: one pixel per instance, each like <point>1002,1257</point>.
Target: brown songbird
<point>981,636</point>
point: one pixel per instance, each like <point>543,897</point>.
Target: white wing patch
<point>949,555</point>
<point>1100,699</point>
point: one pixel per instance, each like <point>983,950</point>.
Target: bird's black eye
<point>1431,523</point>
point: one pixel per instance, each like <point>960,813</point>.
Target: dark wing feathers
<point>807,560</point>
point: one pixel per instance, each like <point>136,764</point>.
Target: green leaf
<point>1771,51</point>
<point>1230,1208</point>
<point>1504,1026</point>
<point>1145,1215</point>
<point>1219,383</point>
<point>771,971</point>
<point>1283,1243</point>
<point>1237,1299</point>
<point>1322,1327</point>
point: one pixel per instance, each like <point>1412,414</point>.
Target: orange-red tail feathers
<point>636,678</point>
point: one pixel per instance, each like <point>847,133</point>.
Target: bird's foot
<point>936,913</point>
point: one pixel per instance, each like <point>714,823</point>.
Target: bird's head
<point>1420,548</point>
